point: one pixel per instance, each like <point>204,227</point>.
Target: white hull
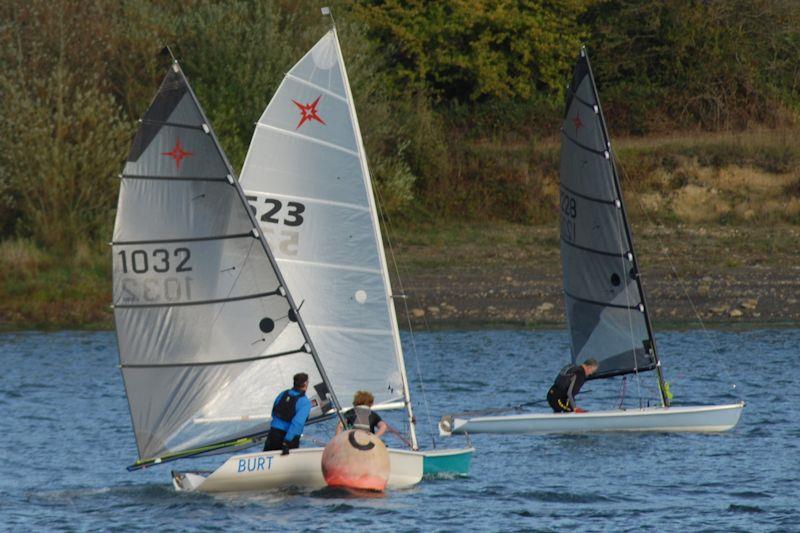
<point>709,419</point>
<point>302,468</point>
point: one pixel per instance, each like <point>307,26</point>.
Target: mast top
<point>327,12</point>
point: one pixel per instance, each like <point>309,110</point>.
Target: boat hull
<point>451,461</point>
<point>302,468</point>
<point>704,419</point>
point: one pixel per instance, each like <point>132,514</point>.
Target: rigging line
<point>398,434</point>
<point>384,215</point>
<point>680,279</point>
<point>620,222</point>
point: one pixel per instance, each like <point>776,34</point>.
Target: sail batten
<point>604,299</point>
<point>185,239</point>
<point>586,196</point>
<point>595,151</point>
<point>212,363</point>
<point>307,138</point>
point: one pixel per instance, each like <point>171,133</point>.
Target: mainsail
<point>307,181</point>
<point>208,333</point>
<point>605,304</point>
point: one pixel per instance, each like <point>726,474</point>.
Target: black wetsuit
<point>568,383</point>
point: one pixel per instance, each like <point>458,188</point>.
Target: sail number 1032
<point>159,260</point>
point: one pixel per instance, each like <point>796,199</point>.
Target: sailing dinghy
<point>308,183</point>
<point>208,332</point>
<point>606,311</point>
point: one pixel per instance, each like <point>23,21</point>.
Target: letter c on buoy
<point>354,443</point>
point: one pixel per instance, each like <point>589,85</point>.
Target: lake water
<point>66,441</point>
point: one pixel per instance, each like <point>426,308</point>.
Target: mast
<point>626,225</point>
<point>378,238</point>
<point>257,227</point>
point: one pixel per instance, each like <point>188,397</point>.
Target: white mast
<point>378,238</point>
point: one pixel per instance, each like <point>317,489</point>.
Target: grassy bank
<point>720,211</point>
<point>693,178</point>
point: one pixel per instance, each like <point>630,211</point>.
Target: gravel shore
<point>720,276</point>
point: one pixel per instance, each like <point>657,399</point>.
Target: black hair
<point>300,380</point>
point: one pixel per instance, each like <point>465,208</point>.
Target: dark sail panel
<point>604,300</point>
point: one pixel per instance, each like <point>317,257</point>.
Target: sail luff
<point>285,292</point>
<point>626,225</point>
<point>379,239</point>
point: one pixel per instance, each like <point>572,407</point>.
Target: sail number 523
<point>293,216</point>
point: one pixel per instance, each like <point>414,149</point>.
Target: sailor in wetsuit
<point>568,383</point>
<point>362,417</point>
<point>289,414</point>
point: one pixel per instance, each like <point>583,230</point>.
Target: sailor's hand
<point>579,410</point>
<point>285,448</point>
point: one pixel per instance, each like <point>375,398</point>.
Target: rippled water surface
<point>66,440</point>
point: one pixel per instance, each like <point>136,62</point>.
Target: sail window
<point>266,325</point>
<point>615,279</point>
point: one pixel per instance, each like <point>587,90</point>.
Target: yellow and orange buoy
<point>356,459</point>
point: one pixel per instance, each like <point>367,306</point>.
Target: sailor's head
<point>301,381</point>
<point>590,366</point>
<point>363,397</point>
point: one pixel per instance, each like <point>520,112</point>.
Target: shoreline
<point>493,275</point>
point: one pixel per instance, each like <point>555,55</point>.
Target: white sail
<point>206,329</point>
<point>306,179</point>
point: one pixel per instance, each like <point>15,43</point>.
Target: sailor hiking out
<point>289,414</point>
<point>362,416</point>
<point>567,385</point>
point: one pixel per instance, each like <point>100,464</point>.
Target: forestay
<point>604,299</point>
<point>306,179</point>
<point>206,333</point>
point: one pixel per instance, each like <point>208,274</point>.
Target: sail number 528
<point>569,211</point>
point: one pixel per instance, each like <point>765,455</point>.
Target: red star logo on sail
<point>577,121</point>
<point>308,112</point>
<point>178,153</point>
